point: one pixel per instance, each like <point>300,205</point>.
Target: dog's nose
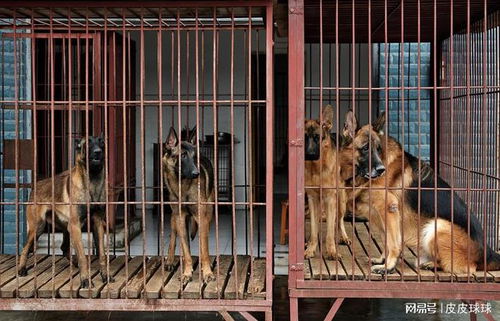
<point>195,173</point>
<point>97,152</point>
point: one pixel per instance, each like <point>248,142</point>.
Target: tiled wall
<point>405,120</point>
<point>8,64</point>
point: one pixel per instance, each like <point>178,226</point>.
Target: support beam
<point>333,310</point>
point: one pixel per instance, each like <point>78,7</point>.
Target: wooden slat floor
<point>365,245</point>
<point>139,277</point>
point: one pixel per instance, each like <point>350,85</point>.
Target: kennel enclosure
<point>432,67</point>
<point>129,71</point>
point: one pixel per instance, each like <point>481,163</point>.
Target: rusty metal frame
<point>298,286</point>
<point>111,99</point>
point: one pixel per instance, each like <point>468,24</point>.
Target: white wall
<point>151,120</point>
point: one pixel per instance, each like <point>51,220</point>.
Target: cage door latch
<point>299,142</point>
<point>297,267</point>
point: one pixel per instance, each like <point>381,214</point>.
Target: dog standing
<point>76,185</point>
<point>381,159</point>
<point>323,172</point>
<point>183,157</point>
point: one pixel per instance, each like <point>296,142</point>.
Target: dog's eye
<point>365,148</point>
<point>183,155</point>
<point>316,137</point>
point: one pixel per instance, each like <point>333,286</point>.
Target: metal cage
<point>432,67</point>
<point>129,71</point>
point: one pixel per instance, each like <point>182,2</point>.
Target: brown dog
<point>323,171</point>
<point>381,159</point>
<point>76,185</point>
<point>183,157</point>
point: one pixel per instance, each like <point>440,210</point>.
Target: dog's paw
<point>345,240</point>
<point>104,278</point>
<point>86,285</point>
<point>310,252</point>
<point>380,269</point>
<point>208,276</point>
<point>427,266</point>
<point>332,255</point>
<point>378,260</point>
<point>23,271</point>
<point>169,264</point>
<point>186,278</point>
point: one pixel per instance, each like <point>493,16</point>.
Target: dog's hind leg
<point>169,264</point>
<point>34,222</point>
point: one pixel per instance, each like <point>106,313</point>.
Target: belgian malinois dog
<point>378,158</point>
<point>323,171</point>
<point>180,163</point>
<point>76,185</point>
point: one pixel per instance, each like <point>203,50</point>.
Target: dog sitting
<point>182,157</point>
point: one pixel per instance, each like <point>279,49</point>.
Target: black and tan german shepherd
<point>378,158</point>
<point>76,185</point>
<point>321,169</point>
<point>182,156</point>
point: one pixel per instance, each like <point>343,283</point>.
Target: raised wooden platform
<point>366,246</point>
<point>54,278</point>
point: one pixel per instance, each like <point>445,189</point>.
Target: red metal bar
<point>143,4</point>
<point>483,130</point>
<point>134,305</point>
<point>16,154</point>
<point>269,154</point>
<point>235,239</point>
<point>333,310</point>
<point>250,142</point>
<point>125,50</point>
<point>296,153</point>
<point>143,148</point>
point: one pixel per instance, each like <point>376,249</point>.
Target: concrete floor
<point>310,309</point>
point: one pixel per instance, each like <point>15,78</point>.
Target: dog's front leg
<point>390,220</point>
<point>312,245</point>
<point>331,226</point>
<point>75,231</point>
<point>204,226</point>
<point>169,264</point>
<point>341,210</point>
<point>98,234</point>
<point>187,274</point>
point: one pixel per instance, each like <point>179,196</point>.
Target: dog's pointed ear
<point>350,125</point>
<point>379,124</point>
<point>327,117</point>
<point>171,140</point>
<point>192,135</point>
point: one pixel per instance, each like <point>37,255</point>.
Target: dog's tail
<point>193,227</point>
